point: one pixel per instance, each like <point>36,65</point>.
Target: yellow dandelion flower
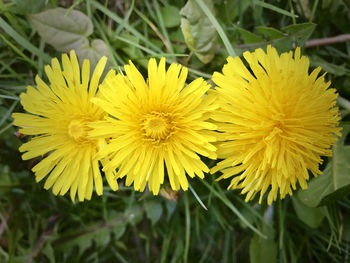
<point>58,116</point>
<point>155,123</point>
<point>275,122</point>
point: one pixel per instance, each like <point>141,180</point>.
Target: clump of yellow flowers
<point>269,125</point>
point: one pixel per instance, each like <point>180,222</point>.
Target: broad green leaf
<point>249,37</point>
<point>261,249</point>
<point>335,180</point>
<point>178,38</point>
<point>337,70</point>
<point>102,237</point>
<point>170,208</point>
<point>30,6</point>
<point>119,230</point>
<point>312,216</point>
<point>154,211</point>
<point>270,32</point>
<point>134,213</point>
<point>284,44</point>
<point>61,30</point>
<point>199,33</point>
<point>301,32</point>
<point>171,16</point>
<point>93,52</point>
<point>82,239</point>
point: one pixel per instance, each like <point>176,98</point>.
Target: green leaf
<point>300,32</point>
<point>154,211</point>
<point>335,180</point>
<point>336,70</point>
<point>312,216</point>
<point>171,16</point>
<point>119,229</point>
<point>93,52</point>
<point>261,249</point>
<point>274,8</point>
<point>270,32</point>
<point>199,33</point>
<point>49,252</point>
<point>170,208</point>
<point>22,41</point>
<point>61,30</point>
<point>102,237</point>
<point>249,37</point>
<point>30,6</point>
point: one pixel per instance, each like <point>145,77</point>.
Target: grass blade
<point>227,202</point>
<point>22,41</point>
<point>274,8</point>
<point>188,227</point>
<point>8,113</point>
<point>217,26</point>
<point>120,21</point>
<point>197,197</point>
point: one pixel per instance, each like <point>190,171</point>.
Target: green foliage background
<point>207,223</point>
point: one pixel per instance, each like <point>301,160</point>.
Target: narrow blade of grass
<point>126,18</point>
<point>274,8</point>
<point>5,129</point>
<point>188,227</point>
<point>227,202</point>
<point>197,197</point>
<point>217,26</point>
<point>8,113</point>
<point>149,51</point>
<point>22,41</point>
<point>9,97</point>
<point>162,26</point>
<point>19,52</point>
<point>119,20</point>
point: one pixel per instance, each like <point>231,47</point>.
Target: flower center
<point>77,130</point>
<point>157,126</point>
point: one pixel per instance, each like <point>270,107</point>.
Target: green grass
<point>205,224</point>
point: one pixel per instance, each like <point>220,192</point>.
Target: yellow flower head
<point>155,123</point>
<point>276,121</point>
<point>58,116</point>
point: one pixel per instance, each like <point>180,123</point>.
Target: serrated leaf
<point>249,37</point>
<point>270,32</point>
<point>199,33</point>
<point>154,211</point>
<point>63,32</point>
<point>171,16</point>
<point>335,180</point>
<point>301,32</point>
<point>312,216</point>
